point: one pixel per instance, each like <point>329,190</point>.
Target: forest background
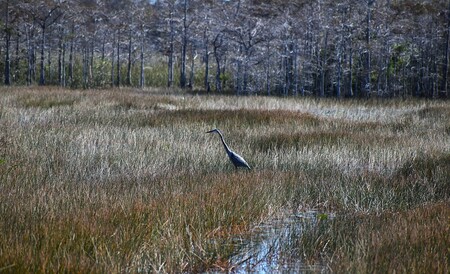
<point>345,48</point>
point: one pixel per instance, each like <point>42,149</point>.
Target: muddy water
<point>267,251</point>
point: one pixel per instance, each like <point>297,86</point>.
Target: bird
<point>235,158</point>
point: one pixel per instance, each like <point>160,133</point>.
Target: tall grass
<point>127,181</point>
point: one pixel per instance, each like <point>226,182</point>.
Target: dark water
<point>270,246</point>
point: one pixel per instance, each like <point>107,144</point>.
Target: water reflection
<point>268,249</point>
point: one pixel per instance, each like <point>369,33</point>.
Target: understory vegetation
<point>123,180</point>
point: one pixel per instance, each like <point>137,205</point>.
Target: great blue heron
<point>235,158</point>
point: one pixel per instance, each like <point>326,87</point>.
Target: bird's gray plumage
<point>235,158</point>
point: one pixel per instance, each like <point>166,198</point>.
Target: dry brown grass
<point>127,181</point>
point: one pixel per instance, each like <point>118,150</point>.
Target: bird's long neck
<point>227,149</point>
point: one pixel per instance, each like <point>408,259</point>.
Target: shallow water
<point>266,252</point>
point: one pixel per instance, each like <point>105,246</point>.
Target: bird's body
<point>235,158</point>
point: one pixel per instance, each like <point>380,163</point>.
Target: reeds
<point>413,241</point>
<point>127,181</point>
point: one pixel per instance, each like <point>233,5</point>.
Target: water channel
<point>267,249</point>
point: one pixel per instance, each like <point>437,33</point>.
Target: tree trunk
<point>128,81</point>
<point>42,72</point>
<point>60,52</point>
<point>103,49</point>
<point>191,74</point>
<point>295,69</point>
<point>446,59</point>
<point>218,74</point>
<point>206,80</point>
<point>171,49</point>
<point>286,68</point>
<point>217,45</point>
<point>113,58</point>
<point>142,74</point>
<point>245,74</point>
<point>338,88</point>
<point>91,62</point>
<point>387,84</point>
<point>7,72</point>
<point>183,49</point>
<point>85,66</point>
<point>323,66</point>
<point>71,56</point>
<point>224,65</point>
<point>49,65</point>
<point>118,59</point>
<point>17,73</point>
<point>238,84</point>
<point>368,87</point>
<point>29,56</point>
<point>350,64</point>
<point>267,68</point>
<point>63,65</point>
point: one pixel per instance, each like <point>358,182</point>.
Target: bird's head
<point>214,130</point>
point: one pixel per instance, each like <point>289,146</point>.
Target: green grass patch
<point>46,102</point>
<point>247,118</point>
<point>300,140</point>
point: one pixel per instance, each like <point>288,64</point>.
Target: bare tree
<point>7,30</point>
<point>446,54</point>
<point>44,14</point>
<point>319,48</point>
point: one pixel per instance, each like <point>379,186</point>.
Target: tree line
<point>340,48</point>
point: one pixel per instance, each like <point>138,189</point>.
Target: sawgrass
<point>127,180</point>
<point>413,241</point>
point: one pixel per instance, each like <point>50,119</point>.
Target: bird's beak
<point>209,131</point>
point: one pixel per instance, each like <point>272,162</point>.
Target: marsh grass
<point>128,181</point>
<point>413,241</point>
